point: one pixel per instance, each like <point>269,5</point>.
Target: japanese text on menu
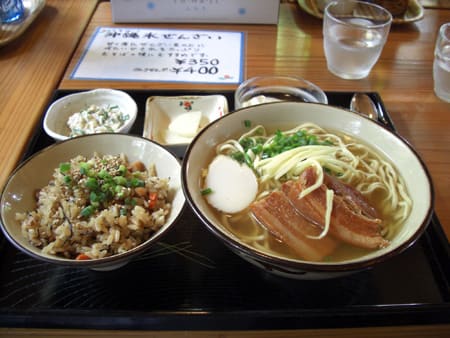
<point>162,55</point>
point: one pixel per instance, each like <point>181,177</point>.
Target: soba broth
<point>246,225</point>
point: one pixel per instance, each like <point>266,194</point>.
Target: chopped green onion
<point>101,196</point>
<point>135,182</point>
<point>130,201</point>
<point>92,183</point>
<point>64,167</point>
<point>103,174</point>
<point>206,191</point>
<point>93,197</point>
<point>120,180</point>
<point>84,168</point>
<point>247,123</point>
<point>282,142</point>
<point>67,179</point>
<point>87,211</point>
<point>257,149</point>
<point>257,144</point>
<point>122,170</point>
<point>120,191</point>
<point>248,160</point>
<point>238,156</point>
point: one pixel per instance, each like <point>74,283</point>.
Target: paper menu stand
<point>198,11</point>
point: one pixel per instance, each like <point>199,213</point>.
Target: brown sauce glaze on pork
<point>353,219</point>
<point>277,215</point>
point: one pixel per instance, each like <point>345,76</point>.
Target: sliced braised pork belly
<point>279,217</point>
<point>353,219</point>
<point>351,196</point>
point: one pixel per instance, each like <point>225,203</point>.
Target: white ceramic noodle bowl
<point>18,195</point>
<point>390,145</point>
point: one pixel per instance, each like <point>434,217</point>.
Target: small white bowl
<point>162,110</point>
<point>57,115</point>
<point>18,194</point>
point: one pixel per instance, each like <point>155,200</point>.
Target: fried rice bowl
<point>93,201</point>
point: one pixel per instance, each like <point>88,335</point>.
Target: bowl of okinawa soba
<point>307,190</point>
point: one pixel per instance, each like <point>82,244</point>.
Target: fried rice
<point>97,207</point>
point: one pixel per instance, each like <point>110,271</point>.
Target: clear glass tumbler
<point>11,11</point>
<point>441,65</point>
<point>354,34</point>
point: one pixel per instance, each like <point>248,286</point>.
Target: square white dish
<point>162,113</point>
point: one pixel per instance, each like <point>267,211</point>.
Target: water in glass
<point>354,35</point>
<point>351,54</point>
<point>441,65</point>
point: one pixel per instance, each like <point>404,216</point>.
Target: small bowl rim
<point>98,262</point>
<point>51,110</point>
<point>305,266</point>
<point>323,99</point>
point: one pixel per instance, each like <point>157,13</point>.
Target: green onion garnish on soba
<point>247,123</point>
<point>206,191</point>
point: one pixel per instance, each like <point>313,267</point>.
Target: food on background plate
<point>96,119</point>
<point>97,207</point>
<point>322,196</point>
<point>396,7</point>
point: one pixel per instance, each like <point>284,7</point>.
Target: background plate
<point>413,13</point>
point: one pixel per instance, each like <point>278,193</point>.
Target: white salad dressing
<point>95,119</point>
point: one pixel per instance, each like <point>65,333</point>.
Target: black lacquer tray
<point>191,281</point>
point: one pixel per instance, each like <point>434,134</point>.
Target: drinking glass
<point>354,35</point>
<point>441,65</point>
